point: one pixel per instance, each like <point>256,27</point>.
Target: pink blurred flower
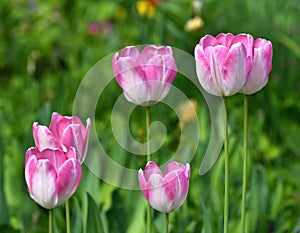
<point>145,77</point>
<point>165,192</point>
<point>222,63</point>
<point>64,132</point>
<point>94,28</point>
<point>52,176</point>
<point>260,68</point>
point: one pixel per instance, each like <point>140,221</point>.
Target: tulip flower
<point>52,175</point>
<point>165,192</point>
<point>260,68</point>
<point>64,132</point>
<point>145,76</point>
<point>222,64</point>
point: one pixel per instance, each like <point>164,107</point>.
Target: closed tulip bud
<point>64,132</point>
<point>221,64</point>
<point>52,176</point>
<point>145,77</point>
<point>261,66</point>
<point>165,191</point>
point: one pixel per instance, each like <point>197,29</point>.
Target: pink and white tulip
<point>52,175</point>
<point>165,191</point>
<point>146,76</point>
<point>223,63</point>
<point>64,132</point>
<point>260,68</point>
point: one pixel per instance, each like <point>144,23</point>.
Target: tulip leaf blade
<point>3,209</point>
<point>76,220</point>
<point>290,44</point>
<point>137,224</point>
<point>95,221</point>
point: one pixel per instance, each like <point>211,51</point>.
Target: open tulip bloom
<point>146,76</point>
<point>221,64</point>
<point>64,132</point>
<point>52,175</point>
<point>165,191</point>
<point>227,64</point>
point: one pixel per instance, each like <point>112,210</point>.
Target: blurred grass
<point>46,48</point>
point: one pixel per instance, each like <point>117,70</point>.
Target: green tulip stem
<point>148,133</point>
<point>226,191</point>
<point>149,209</point>
<point>245,164</point>
<point>50,220</point>
<point>68,217</point>
<point>167,222</point>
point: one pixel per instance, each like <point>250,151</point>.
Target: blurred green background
<point>47,47</point>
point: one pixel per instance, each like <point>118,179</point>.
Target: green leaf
<point>95,221</point>
<point>76,221</point>
<point>290,44</point>
<point>137,223</point>
<point>277,199</point>
<point>3,205</point>
<point>259,199</point>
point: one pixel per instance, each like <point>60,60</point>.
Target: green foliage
<point>95,219</point>
<point>46,48</point>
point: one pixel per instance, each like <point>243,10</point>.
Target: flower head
<point>94,28</point>
<point>146,8</point>
<point>222,63</point>
<point>194,24</point>
<point>227,64</point>
<point>52,175</point>
<point>64,132</point>
<point>145,76</point>
<point>165,191</point>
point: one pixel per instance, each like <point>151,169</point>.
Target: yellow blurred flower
<point>188,112</point>
<point>146,8</point>
<point>194,24</point>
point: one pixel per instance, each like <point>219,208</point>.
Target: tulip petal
<point>165,50</point>
<point>68,179</point>
<point>43,137</point>
<point>42,177</point>
<point>207,41</point>
<point>171,187</point>
<point>72,137</point>
<point>225,39</point>
<point>55,156</point>
<point>143,184</point>
<point>158,198</point>
<point>55,118</point>
<point>152,168</point>
<point>86,139</point>
<point>147,53</point>
<point>170,68</point>
<point>235,69</point>
<point>130,51</point>
<point>267,47</point>
<point>258,77</point>
<point>138,93</point>
<point>30,166</point>
<point>217,57</point>
<point>203,72</point>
